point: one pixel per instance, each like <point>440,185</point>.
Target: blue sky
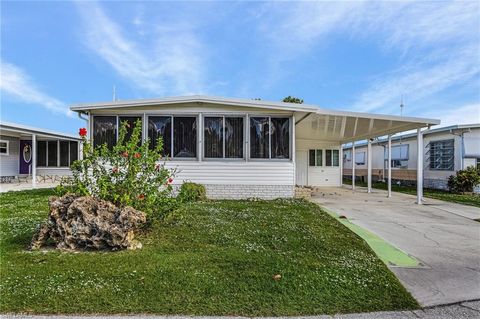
<point>360,56</point>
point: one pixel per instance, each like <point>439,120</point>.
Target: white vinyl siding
<point>4,147</point>
<point>234,172</point>
<point>9,164</point>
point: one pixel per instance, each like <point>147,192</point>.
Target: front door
<point>301,168</point>
<point>25,157</point>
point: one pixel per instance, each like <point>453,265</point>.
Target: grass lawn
<point>212,258</point>
<point>466,199</point>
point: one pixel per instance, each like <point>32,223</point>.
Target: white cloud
<point>171,64</point>
<point>458,114</point>
<point>436,44</point>
<point>16,83</point>
<point>418,81</point>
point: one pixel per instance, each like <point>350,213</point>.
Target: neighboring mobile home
<point>241,148</point>
<point>445,151</point>
<point>34,154</point>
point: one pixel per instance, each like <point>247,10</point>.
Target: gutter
<point>86,119</point>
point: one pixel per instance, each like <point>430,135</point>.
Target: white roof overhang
<point>344,127</point>
<point>197,99</point>
<point>18,130</point>
<point>312,122</point>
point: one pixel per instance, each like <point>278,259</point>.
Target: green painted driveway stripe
<point>389,254</point>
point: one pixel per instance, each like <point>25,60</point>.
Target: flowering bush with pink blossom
<point>128,174</point>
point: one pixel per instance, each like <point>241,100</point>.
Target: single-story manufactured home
<point>35,155</point>
<point>445,151</point>
<point>241,148</point>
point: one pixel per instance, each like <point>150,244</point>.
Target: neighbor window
<point>223,137</point>
<point>4,147</point>
<point>269,137</point>
<point>441,155</point>
<point>48,153</point>
<point>399,155</point>
<point>315,158</point>
<point>360,158</point>
<point>478,163</point>
<point>332,158</point>
<point>104,131</point>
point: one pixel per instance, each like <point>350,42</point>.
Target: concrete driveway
<point>442,236</point>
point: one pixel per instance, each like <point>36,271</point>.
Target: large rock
<point>82,223</point>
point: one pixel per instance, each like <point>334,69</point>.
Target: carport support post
<point>340,163</point>
<point>369,165</point>
<point>34,160</point>
<point>353,165</point>
<point>419,166</point>
<point>389,165</point>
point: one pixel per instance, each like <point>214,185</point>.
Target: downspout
<point>86,122</point>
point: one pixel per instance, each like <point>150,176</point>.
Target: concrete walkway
<point>7,187</point>
<point>466,310</point>
<point>442,236</point>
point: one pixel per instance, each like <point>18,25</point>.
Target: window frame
<point>244,137</point>
<point>316,157</point>
<point>357,158</point>
<point>172,116</point>
<point>7,142</point>
<point>450,140</point>
<point>290,137</point>
<point>129,115</point>
<point>200,140</point>
<point>46,166</point>
<point>332,151</point>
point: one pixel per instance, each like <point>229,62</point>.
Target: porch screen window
<point>185,137</point>
<point>441,155</point>
<point>259,137</point>
<point>41,153</point>
<point>73,152</point>
<point>160,127</point>
<point>332,158</point>
<point>280,128</point>
<point>64,153</point>
<point>105,131</point>
<point>234,137</point>
<point>48,155</point>
<point>52,151</point>
<point>269,137</point>
<point>213,135</point>
<point>223,137</point>
<point>315,158</point>
<point>131,122</point>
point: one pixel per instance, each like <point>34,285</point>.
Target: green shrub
<point>464,180</point>
<point>126,175</point>
<point>191,192</point>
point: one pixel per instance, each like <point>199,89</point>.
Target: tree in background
<point>292,99</point>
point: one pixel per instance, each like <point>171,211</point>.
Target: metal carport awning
<point>344,127</point>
